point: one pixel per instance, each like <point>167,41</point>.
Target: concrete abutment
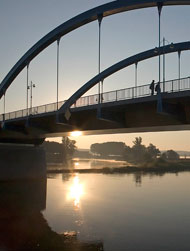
<point>22,162</point>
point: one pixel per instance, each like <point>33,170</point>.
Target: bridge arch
<point>119,66</point>
<point>76,22</point>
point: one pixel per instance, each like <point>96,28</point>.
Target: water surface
<point>124,212</point>
<point>88,212</point>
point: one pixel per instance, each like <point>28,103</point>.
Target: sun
<point>76,133</point>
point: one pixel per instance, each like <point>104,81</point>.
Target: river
<point>108,212</point>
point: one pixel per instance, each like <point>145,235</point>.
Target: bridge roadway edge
<point>136,115</point>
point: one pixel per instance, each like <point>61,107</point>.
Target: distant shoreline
<point>165,167</point>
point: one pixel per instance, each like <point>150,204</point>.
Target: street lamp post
<point>31,87</point>
<point>164,61</point>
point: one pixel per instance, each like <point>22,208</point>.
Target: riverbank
<point>158,166</point>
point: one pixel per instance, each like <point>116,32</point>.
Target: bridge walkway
<point>171,86</point>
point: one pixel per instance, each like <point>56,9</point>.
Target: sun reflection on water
<point>76,191</point>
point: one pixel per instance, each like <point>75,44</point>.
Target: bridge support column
<point>21,162</point>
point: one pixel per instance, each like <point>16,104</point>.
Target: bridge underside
<point>127,116</point>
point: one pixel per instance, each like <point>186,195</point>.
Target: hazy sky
<point>24,22</point>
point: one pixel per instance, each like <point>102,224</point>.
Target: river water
<point>109,212</point>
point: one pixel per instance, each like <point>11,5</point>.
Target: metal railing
<point>175,85</point>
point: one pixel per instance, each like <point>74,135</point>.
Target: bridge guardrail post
<point>133,92</point>
<point>115,95</point>
<point>172,86</point>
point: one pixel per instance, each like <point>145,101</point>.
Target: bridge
<point>120,111</point>
<point>128,110</point>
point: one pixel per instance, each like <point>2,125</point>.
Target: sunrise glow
<point>76,133</point>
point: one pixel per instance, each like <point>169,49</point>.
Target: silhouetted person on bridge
<point>157,88</point>
<point>152,87</point>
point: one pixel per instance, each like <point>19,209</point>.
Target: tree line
<point>59,152</point>
<point>136,154</point>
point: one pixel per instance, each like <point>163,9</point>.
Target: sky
<point>24,22</point>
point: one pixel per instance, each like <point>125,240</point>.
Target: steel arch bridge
<point>94,14</point>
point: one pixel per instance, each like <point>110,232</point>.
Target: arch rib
<point>76,22</point>
<point>119,66</point>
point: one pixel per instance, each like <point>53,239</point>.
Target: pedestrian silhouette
<point>152,87</point>
<point>157,88</point>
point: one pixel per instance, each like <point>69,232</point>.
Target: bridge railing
<point>175,85</point>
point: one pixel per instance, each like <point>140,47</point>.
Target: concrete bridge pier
<point>22,162</point>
